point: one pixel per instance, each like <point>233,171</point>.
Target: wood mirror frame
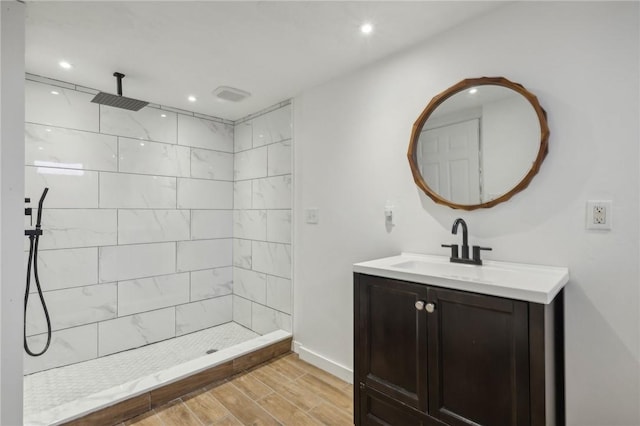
<point>438,100</point>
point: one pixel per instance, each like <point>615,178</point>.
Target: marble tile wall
<point>138,223</point>
<point>262,194</point>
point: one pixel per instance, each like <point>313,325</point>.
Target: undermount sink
<point>532,283</point>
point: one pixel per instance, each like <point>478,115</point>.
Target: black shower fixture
<point>119,101</point>
<point>34,238</point>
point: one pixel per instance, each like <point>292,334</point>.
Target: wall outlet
<point>599,215</point>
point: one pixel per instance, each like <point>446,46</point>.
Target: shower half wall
<point>150,218</point>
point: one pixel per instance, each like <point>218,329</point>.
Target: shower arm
<point>119,76</point>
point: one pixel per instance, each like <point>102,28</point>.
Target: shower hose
<point>34,237</point>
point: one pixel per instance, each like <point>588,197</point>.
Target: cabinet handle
<point>430,307</point>
<point>420,305</point>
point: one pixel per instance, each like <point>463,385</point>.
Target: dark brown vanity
<point>426,354</point>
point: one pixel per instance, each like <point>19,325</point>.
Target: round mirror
<point>478,143</point>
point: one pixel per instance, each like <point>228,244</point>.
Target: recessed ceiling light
<point>64,64</point>
<point>192,98</point>
<point>366,28</point>
<point>163,115</point>
<point>53,92</point>
<point>473,90</point>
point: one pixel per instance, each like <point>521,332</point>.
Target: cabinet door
<point>379,410</point>
<point>478,345</point>
<point>391,342</point>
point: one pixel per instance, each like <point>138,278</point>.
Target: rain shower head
<point>119,101</point>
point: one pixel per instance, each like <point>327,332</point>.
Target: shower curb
<point>140,404</point>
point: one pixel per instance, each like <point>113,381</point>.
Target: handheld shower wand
<point>34,237</point>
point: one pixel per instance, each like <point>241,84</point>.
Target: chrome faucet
<point>465,245</point>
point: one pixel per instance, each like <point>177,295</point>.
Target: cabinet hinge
<point>362,386</point>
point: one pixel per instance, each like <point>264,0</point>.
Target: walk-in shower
<point>166,234</point>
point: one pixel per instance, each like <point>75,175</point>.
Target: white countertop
<point>531,283</point>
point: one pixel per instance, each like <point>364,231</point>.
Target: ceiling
<point>274,50</point>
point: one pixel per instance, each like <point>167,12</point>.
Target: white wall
<point>11,208</point>
<point>352,133</point>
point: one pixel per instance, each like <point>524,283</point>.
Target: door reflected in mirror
<point>478,143</point>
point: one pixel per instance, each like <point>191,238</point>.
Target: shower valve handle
<point>28,211</point>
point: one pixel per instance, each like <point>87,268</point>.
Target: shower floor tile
<point>58,386</point>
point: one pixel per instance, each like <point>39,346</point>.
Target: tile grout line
<point>141,174</point>
<point>325,400</point>
<point>134,279</point>
<point>155,309</point>
<point>287,381</point>
<point>255,401</point>
<point>193,414</point>
<point>97,340</point>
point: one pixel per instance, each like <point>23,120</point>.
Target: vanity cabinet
<point>428,355</point>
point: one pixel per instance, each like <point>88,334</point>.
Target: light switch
<point>312,215</point>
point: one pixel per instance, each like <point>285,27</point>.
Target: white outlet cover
<point>600,214</point>
<point>312,215</point>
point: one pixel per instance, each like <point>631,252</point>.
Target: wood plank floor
<point>283,391</point>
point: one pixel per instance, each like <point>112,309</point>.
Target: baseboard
<point>323,363</point>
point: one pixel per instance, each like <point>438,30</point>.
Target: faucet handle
<point>454,250</point>
<point>476,253</point>
<point>28,211</point>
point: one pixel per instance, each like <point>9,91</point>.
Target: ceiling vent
<point>230,94</point>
